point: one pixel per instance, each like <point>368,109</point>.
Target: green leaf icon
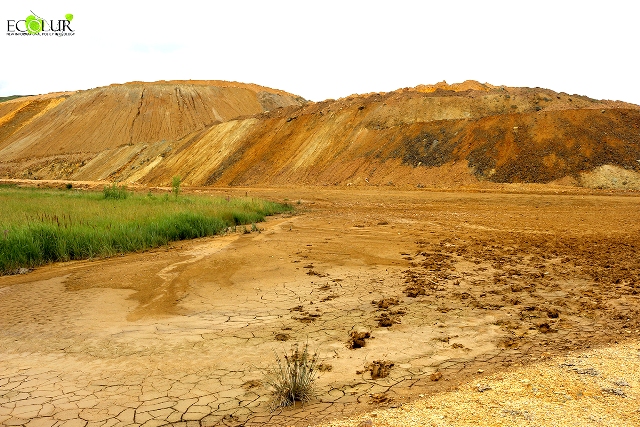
<point>69,17</point>
<point>34,25</point>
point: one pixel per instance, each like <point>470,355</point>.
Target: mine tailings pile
<point>233,134</point>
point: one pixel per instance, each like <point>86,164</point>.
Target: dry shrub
<point>293,379</point>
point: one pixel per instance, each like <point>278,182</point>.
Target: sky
<point>329,49</point>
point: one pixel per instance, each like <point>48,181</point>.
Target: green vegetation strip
<point>41,226</point>
<point>10,97</point>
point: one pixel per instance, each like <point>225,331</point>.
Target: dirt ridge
<point>235,134</point>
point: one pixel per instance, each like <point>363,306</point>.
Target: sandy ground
<point>523,295</point>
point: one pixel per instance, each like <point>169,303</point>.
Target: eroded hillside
<point>429,135</point>
<point>63,132</point>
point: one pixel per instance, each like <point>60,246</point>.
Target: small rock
<point>436,376</point>
<point>615,391</point>
<point>365,423</point>
<point>588,371</point>
<point>553,313</point>
<point>483,387</point>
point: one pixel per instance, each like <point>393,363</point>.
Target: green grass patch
<point>115,192</point>
<point>10,97</point>
<point>41,226</point>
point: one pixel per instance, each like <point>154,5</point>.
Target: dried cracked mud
<point>401,293</point>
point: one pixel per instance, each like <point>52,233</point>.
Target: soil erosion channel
<point>444,283</point>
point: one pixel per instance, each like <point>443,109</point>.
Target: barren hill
<point>86,123</point>
<point>429,135</point>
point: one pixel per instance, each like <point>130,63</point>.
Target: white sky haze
<point>330,49</point>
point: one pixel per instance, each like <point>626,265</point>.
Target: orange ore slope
<point>233,134</point>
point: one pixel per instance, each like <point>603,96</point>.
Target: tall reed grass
<point>41,226</point>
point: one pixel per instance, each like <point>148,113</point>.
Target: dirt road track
<point>465,281</point>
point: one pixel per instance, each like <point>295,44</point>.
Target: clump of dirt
<point>386,320</point>
<point>553,313</point>
<point>380,399</point>
<point>415,290</point>
<point>248,385</point>
<point>544,291</point>
<point>282,337</point>
<point>379,368</point>
<point>545,328</point>
<point>385,303</point>
<point>358,339</point>
<point>387,317</point>
<point>315,273</point>
<point>325,367</point>
<point>436,376</point>
<point>307,317</point>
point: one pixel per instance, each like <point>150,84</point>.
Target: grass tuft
<point>293,380</point>
<point>114,192</point>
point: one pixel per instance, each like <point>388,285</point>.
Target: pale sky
<point>330,49</point>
